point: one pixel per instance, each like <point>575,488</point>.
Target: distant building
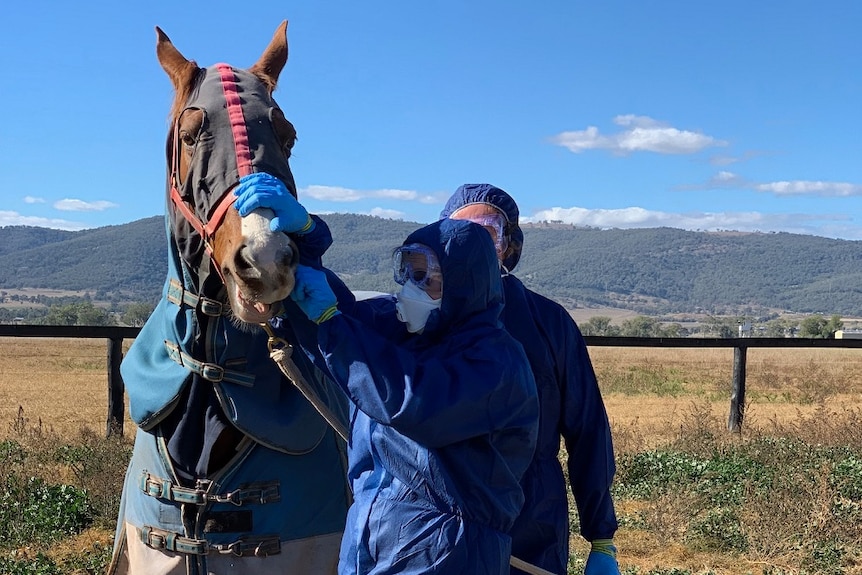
<point>848,334</point>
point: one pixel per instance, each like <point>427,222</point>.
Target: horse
<point>233,470</point>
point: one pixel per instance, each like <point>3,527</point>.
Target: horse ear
<point>181,71</point>
<point>273,59</point>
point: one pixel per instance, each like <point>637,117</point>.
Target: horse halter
<point>236,139</point>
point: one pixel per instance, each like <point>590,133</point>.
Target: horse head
<point>225,125</point>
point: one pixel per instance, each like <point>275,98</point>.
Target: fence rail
<point>116,334</point>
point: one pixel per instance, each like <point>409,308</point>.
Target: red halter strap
<point>243,162</point>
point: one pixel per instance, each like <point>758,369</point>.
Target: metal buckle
<point>257,546</point>
<point>230,497</point>
<point>211,307</point>
<point>234,548</point>
<point>156,540</point>
<point>212,372</point>
<point>152,486</point>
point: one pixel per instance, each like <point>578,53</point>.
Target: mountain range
<point>652,271</point>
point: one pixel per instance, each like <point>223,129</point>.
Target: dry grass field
<point>650,392</point>
<point>653,398</point>
<point>61,382</point>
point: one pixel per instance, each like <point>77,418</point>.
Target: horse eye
<point>284,131</point>
<point>187,139</point>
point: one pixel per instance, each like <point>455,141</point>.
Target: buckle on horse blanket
<point>261,546</point>
<point>179,295</point>
<point>261,492</point>
<point>209,371</point>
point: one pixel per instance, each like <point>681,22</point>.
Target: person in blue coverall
<point>444,415</point>
<point>570,402</point>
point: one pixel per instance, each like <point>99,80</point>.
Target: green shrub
<point>33,510</point>
<point>846,478</point>
<point>717,529</point>
<point>92,561</point>
<point>40,565</point>
<point>651,473</point>
<point>99,466</point>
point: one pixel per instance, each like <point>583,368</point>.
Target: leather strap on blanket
<point>209,371</point>
<point>280,351</point>
<point>261,492</point>
<point>243,547</point>
<point>179,295</point>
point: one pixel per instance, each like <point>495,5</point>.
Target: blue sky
<point>734,115</point>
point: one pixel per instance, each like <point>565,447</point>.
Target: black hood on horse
<point>237,137</point>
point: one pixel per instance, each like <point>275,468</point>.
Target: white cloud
<point>809,188</point>
<point>8,218</point>
<point>387,213</point>
<point>829,225</point>
<point>745,157</point>
<point>407,196</point>
<point>641,134</point>
<point>73,205</point>
<point>722,179</point>
<point>339,194</point>
<point>329,194</point>
<point>727,179</point>
<point>33,200</point>
<point>723,160</point>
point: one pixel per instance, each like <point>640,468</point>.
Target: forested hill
<point>652,271</point>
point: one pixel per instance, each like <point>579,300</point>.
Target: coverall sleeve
<point>435,401</point>
<point>314,244</point>
<point>586,431</point>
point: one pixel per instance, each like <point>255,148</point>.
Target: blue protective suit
<point>443,424</point>
<point>571,407</point>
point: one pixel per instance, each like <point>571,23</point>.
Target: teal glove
<point>262,190</point>
<point>602,559</point>
<point>313,295</point>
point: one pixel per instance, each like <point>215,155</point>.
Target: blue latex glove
<point>313,295</point>
<point>261,190</point>
<point>602,559</point>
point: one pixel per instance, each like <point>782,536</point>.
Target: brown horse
<point>233,470</point>
<point>255,264</point>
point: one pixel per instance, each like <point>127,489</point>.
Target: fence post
<point>737,394</point>
<point>116,388</point>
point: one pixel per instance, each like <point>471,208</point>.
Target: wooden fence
<point>116,389</point>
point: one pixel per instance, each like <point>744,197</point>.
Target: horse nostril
<point>243,260</point>
<point>289,257</point>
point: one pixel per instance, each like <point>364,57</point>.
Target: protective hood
<point>471,273</point>
<point>493,196</point>
<point>234,141</point>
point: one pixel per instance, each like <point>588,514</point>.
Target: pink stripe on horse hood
<point>214,168</point>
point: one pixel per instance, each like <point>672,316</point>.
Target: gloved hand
<point>313,295</point>
<point>262,190</point>
<point>602,559</point>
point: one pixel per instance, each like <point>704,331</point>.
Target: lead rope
<point>280,351</point>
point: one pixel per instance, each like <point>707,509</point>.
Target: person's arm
<point>584,425</point>
<point>314,243</point>
<point>437,400</point>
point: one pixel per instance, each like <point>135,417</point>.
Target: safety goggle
<point>418,264</point>
<point>496,226</point>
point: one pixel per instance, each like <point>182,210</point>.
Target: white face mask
<point>414,306</point>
